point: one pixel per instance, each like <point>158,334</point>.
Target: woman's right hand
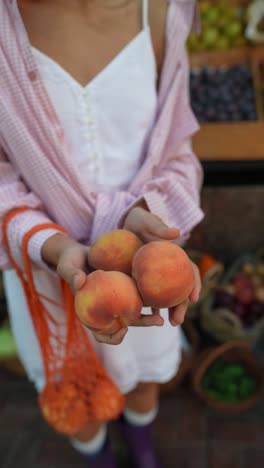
<point>69,258</point>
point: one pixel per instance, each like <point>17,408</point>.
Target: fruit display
<point>255,27</point>
<point>205,264</point>
<point>158,274</point>
<point>244,294</point>
<point>221,94</point>
<point>229,382</point>
<point>222,27</point>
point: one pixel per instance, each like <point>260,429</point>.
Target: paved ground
<point>187,434</point>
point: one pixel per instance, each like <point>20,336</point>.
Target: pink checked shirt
<point>36,168</point>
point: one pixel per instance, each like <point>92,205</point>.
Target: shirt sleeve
<point>14,194</point>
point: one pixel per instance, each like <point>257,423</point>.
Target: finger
<point>72,275</point>
<point>168,234</point>
<point>148,321</point>
<point>114,339</point>
<point>78,280</point>
<point>159,229</point>
<point>150,237</point>
<point>177,314</point>
<point>194,296</point>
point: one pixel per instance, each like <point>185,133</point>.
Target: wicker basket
<point>221,323</point>
<point>209,281</point>
<point>234,352</point>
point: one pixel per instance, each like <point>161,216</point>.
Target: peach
<point>108,403</point>
<point>114,251</point>
<point>63,409</point>
<point>163,273</point>
<point>108,301</point>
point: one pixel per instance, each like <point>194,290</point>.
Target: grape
<point>224,299</point>
<point>245,295</point>
<point>256,281</point>
<point>256,309</point>
<point>240,310</point>
<point>223,94</point>
<point>248,321</point>
<point>259,293</point>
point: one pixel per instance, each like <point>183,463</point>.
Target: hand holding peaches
<point>129,275</point>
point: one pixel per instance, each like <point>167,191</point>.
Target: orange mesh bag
<point>77,390</point>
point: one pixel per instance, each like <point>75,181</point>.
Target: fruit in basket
<point>224,299</point>
<point>222,27</point>
<point>256,309</point>
<point>233,30</point>
<point>209,38</point>
<point>210,14</point>
<point>205,264</point>
<point>193,42</point>
<point>163,273</point>
<point>222,43</point>
<point>260,269</point>
<point>228,381</point>
<point>246,295</point>
<point>243,295</point>
<point>260,294</point>
<point>223,94</point>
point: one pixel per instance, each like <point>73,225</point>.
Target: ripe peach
<point>114,251</point>
<point>163,273</point>
<point>108,403</point>
<point>108,301</point>
<point>63,409</point>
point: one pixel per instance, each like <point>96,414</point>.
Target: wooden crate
<point>232,140</point>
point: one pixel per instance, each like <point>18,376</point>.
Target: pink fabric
<point>36,168</point>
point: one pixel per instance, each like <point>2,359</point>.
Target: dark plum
<point>256,309</point>
<point>223,299</point>
<point>223,94</point>
<point>240,310</point>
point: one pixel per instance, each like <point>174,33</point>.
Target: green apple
<point>222,43</point>
<point>234,29</point>
<point>239,42</point>
<point>193,42</point>
<point>223,22</point>
<point>211,16</point>
<point>209,38</point>
<point>203,8</point>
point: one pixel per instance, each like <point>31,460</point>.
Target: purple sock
<point>103,459</point>
<point>139,441</point>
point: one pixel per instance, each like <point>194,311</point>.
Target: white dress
<point>106,125</point>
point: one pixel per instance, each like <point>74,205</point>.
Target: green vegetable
<point>7,343</point>
<point>228,382</point>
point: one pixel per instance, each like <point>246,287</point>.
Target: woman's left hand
<point>177,313</point>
